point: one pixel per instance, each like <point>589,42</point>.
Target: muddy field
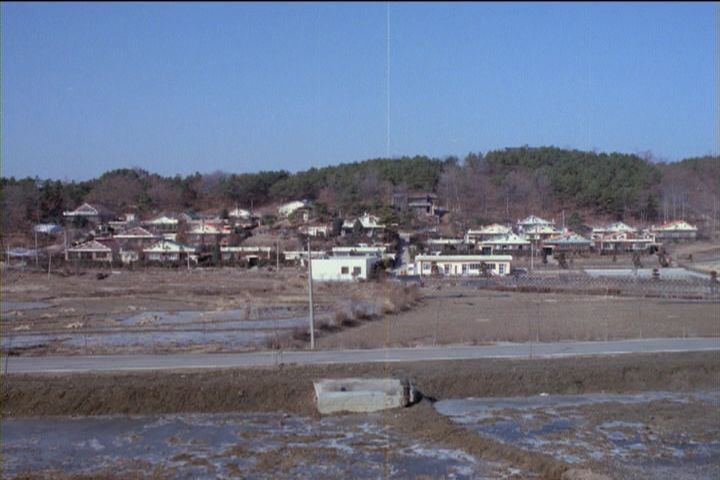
<point>53,309</point>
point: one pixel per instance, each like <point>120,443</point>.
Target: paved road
<point>76,364</point>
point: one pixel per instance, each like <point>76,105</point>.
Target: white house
<point>675,230</point>
<point>622,241</point>
<point>167,250</point>
<point>462,265</point>
<point>289,208</point>
<point>612,228</point>
<point>488,232</point>
<point>316,230</point>
<point>508,242</point>
<point>93,214</point>
<point>100,250</point>
<point>338,269</point>
<point>533,221</point>
<point>162,224</point>
<point>540,232</point>
<point>569,241</point>
<point>370,224</point>
<point>240,213</point>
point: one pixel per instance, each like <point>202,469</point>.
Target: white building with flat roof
<point>343,269</point>
<point>462,265</point>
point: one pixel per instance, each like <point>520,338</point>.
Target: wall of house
<point>468,265</point>
<point>342,268</point>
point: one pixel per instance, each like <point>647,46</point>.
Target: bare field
<point>159,310</point>
<point>100,305</point>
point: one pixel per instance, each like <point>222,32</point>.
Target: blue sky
<point>179,88</point>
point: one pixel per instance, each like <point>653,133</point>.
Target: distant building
<point>93,214</point>
<point>343,269</point>
<point>289,208</point>
<point>622,241</point>
<point>168,250</point>
<point>677,230</point>
<point>463,265</point>
<point>488,232</point>
<point>533,222</point>
<point>98,250</point>
<point>136,239</point>
<point>567,242</point>
<point>370,225</point>
<point>420,203</point>
<point>613,228</point>
<point>162,225</point>
<point>507,243</point>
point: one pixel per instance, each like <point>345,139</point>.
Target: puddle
<point>231,446</point>
<point>240,328</point>
<point>6,307</point>
<point>558,425</point>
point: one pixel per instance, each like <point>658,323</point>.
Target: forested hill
<point>500,185</point>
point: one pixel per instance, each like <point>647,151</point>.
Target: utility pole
<point>310,288</point>
<point>532,254</point>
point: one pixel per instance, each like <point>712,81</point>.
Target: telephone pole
<point>310,288</point>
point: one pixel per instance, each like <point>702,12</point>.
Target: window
<point>501,269</point>
<point>356,271</point>
<point>474,266</point>
<point>464,269</point>
<point>446,269</point>
<point>344,270</point>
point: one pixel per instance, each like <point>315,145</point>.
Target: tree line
<point>500,186</point>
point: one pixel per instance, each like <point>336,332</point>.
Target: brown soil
<point>427,316</point>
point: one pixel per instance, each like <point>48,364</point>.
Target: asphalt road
<point>77,364</point>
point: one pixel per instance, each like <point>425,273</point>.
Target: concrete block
<point>359,395</point>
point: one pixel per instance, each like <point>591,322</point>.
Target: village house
<point>599,232</point>
<point>124,222</point>
<point>436,245</point>
<point>622,242</point>
<point>419,203</point>
<point>135,239</point>
<point>170,251</point>
<point>316,230</point>
<point>240,213</point>
<point>538,233</point>
<point>96,250</point>
<point>567,242</point>
<point>202,234</point>
<point>90,215</point>
<point>533,222</point>
<point>677,230</point>
<point>488,232</point>
<point>370,224</point>
<point>508,243</point>
<point>289,208</point>
<point>462,265</point>
<point>242,218</point>
<point>163,225</point>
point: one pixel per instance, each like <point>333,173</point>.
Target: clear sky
<point>179,88</point>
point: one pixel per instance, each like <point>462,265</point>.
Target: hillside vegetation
<point>499,186</point>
